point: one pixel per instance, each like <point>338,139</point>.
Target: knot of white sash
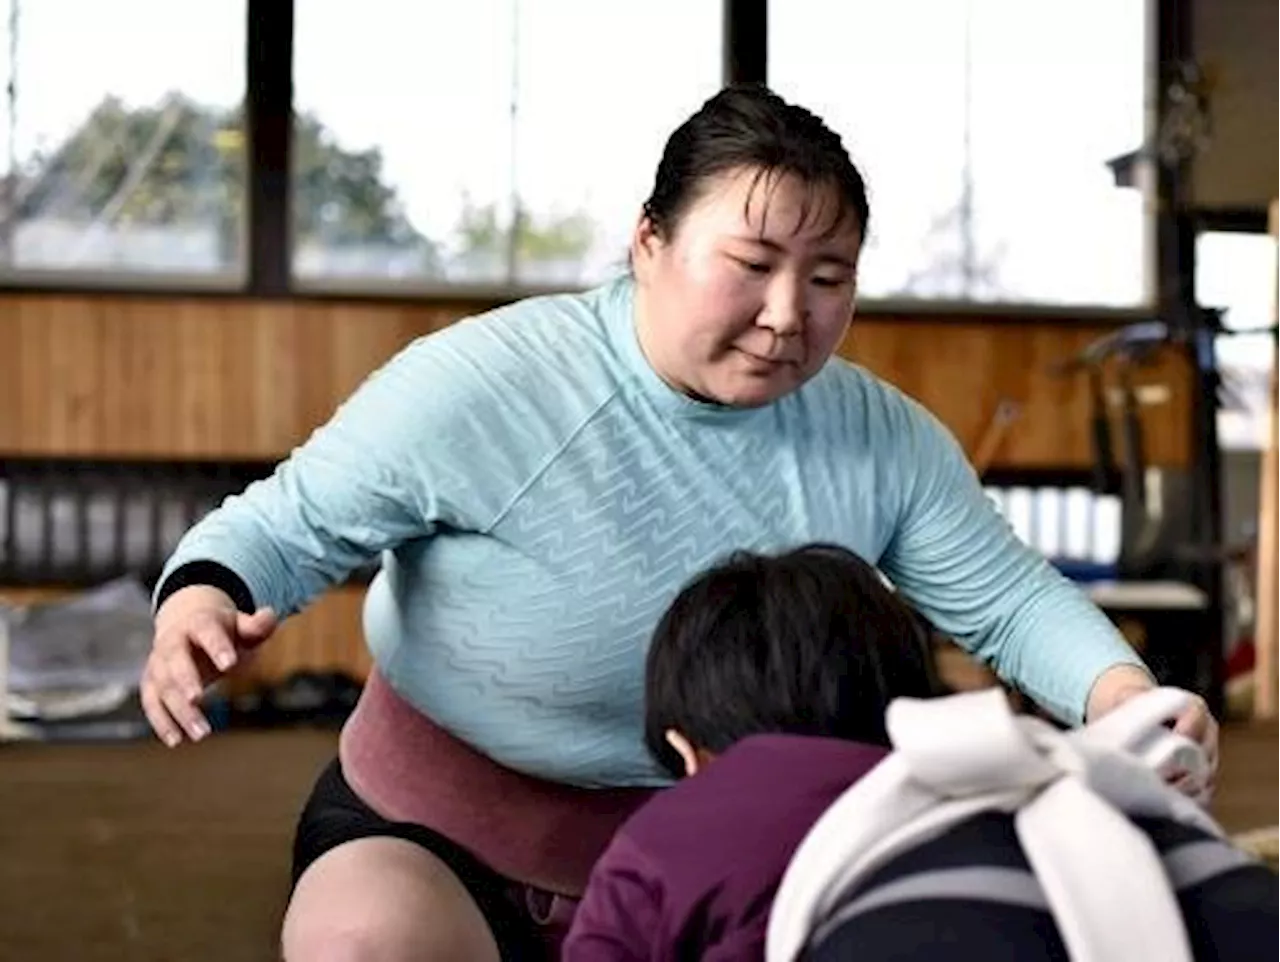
<point>1071,794</point>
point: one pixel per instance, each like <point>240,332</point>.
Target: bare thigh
<point>383,899</point>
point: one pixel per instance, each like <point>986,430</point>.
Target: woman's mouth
<point>765,362</point>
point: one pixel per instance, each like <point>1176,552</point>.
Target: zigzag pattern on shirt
<point>550,627</point>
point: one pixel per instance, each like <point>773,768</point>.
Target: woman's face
<point>753,291</point>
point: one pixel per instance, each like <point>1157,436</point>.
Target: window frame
<point>266,268</point>
<point>234,281</point>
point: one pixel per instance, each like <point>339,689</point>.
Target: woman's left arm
<point>954,557</point>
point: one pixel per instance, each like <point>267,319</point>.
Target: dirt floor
<point>131,853</point>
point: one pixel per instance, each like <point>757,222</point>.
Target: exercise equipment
<point>1168,573</point>
<point>994,434</point>
<point>1158,536</point>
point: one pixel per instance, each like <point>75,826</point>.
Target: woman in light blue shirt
<point>539,482</point>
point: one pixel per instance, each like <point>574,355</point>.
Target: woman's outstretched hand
<point>200,636</point>
<point>1118,684</point>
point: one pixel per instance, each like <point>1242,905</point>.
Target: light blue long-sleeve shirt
<point>540,495</point>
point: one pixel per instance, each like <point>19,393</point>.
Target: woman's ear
<point>646,243</point>
<point>686,751</point>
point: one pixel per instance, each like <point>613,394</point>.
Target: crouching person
<point>835,809</point>
<point>990,836</point>
<point>767,680</point>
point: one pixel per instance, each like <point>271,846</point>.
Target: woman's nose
<point>786,310</point>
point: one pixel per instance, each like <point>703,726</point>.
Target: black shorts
<point>518,914</point>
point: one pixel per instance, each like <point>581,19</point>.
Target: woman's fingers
<point>193,650</point>
<point>167,701</point>
<point>256,628</point>
<point>183,690</point>
<point>1198,724</point>
<point>174,681</point>
<point>216,642</point>
<point>166,729</point>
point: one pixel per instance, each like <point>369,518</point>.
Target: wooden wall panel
<point>147,377</point>
<point>101,376</point>
<point>96,376</point>
<point>961,372</point>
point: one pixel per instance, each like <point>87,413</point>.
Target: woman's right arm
<point>353,489</point>
<point>398,458</point>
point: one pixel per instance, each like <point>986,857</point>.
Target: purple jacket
<point>692,874</point>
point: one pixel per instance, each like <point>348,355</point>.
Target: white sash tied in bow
<point>1072,793</point>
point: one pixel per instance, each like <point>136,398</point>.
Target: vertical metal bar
<point>746,41</point>
<point>269,131</point>
<point>1178,307</point>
